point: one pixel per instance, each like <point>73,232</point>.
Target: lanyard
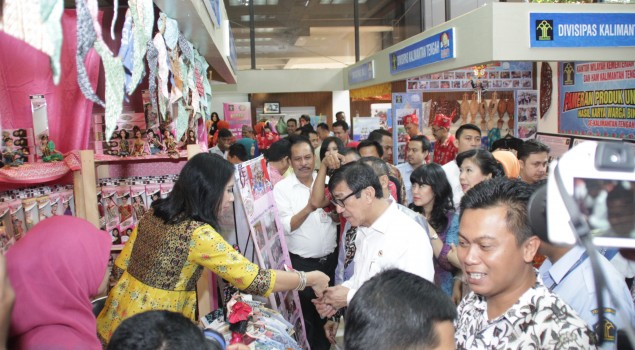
<point>577,263</point>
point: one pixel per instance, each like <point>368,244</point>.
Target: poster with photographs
<point>362,126</point>
<point>526,114</point>
<point>256,196</point>
<point>383,112</point>
<point>498,76</point>
<point>404,104</point>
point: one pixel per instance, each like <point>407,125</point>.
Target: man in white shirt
<point>418,151</point>
<point>309,231</point>
<point>386,237</point>
<point>468,136</point>
<point>225,138</point>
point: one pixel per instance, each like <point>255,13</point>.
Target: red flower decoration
<point>240,312</point>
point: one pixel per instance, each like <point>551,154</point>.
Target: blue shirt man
<point>568,273</point>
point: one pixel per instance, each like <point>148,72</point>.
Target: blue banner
<point>362,73</point>
<point>597,99</point>
<point>432,49</point>
<point>582,29</point>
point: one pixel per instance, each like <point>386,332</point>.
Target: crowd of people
<point>427,254</point>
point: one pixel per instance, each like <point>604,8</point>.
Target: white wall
<point>218,98</point>
<point>342,102</point>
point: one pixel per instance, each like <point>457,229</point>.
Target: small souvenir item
<point>138,146</point>
<point>170,145</point>
<point>11,156</point>
<point>47,148</point>
<point>239,313</point>
<point>153,142</point>
<point>124,145</point>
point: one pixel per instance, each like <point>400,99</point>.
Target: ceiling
<point>293,34</point>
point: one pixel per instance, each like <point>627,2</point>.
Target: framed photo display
<point>271,108</point>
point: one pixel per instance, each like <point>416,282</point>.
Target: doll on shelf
<point>124,145</point>
<point>153,142</point>
<point>170,145</point>
<point>11,156</point>
<point>138,146</point>
<point>47,148</point>
<point>191,137</point>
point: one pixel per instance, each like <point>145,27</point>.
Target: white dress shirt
<point>452,172</point>
<point>393,241</point>
<point>406,170</point>
<point>315,238</point>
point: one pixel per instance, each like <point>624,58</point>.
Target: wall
<point>321,100</point>
<point>219,98</point>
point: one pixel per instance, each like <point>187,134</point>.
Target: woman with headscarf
<point>55,272</point>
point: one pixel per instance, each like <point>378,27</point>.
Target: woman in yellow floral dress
<point>165,255</point>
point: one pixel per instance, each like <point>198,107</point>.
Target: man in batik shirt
<point>509,306</point>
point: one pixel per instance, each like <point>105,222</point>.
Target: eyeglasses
<point>340,202</point>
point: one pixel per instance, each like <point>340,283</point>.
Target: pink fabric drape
<point>26,71</point>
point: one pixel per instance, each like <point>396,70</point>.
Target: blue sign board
<point>581,29</point>
<point>432,49</point>
<point>362,73</point>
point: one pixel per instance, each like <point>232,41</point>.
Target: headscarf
<point>509,162</point>
<point>55,270</point>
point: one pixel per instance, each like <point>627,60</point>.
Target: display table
<point>40,172</point>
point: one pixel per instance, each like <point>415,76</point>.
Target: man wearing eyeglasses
<point>386,237</point>
<point>309,231</point>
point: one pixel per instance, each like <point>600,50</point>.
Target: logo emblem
<point>544,30</point>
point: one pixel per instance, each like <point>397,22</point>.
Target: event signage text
<point>597,99</point>
<point>362,73</point>
<point>582,29</point>
<point>436,48</point>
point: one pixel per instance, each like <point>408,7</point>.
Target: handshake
<point>332,299</point>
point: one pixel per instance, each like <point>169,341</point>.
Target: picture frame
<point>271,108</point>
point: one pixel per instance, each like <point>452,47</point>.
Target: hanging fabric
<point>153,63</point>
<point>126,53</point>
<point>39,24</point>
<point>162,57</point>
<point>86,37</point>
<point>143,19</point>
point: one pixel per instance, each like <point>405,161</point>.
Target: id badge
<point>324,217</point>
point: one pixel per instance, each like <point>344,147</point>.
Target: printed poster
<point>237,114</point>
<point>404,104</point>
<point>558,144</point>
<point>383,111</point>
<point>256,195</point>
<point>362,126</point>
<point>526,114</point>
<point>499,76</point>
<point>597,99</point>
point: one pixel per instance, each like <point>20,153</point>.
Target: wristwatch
<point>435,237</point>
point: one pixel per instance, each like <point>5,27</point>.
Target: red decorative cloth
<point>240,312</point>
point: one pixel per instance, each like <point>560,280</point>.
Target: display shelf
<point>39,172</point>
<point>106,159</point>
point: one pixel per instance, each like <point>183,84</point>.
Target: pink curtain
<point>26,71</point>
